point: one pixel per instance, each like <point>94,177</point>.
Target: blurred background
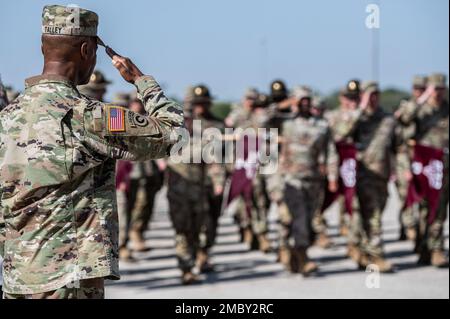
<point>230,45</point>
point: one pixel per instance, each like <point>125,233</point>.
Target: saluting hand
<point>128,70</point>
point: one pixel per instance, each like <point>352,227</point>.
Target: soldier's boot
<point>411,234</point>
<point>137,240</point>
<point>188,278</point>
<point>284,257</point>
<point>264,243</point>
<point>363,261</point>
<point>323,241</point>
<point>383,265</point>
<point>248,236</point>
<point>438,259</point>
<point>402,236</point>
<point>305,266</point>
<point>202,262</point>
<point>293,266</point>
<point>424,257</point>
<point>354,253</point>
<point>125,255</point>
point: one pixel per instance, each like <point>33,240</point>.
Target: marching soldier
<point>146,179</point>
<point>308,158</point>
<point>374,137</point>
<point>430,114</point>
<point>58,151</point>
<point>194,190</point>
<point>405,133</point>
<point>342,122</point>
<point>250,114</point>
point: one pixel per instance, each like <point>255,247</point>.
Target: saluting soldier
<point>308,158</point>
<point>430,114</point>
<point>195,189</point>
<point>58,151</point>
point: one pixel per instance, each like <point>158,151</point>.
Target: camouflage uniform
<point>57,162</point>
<point>193,207</point>
<point>276,116</point>
<point>145,181</point>
<point>308,158</point>
<point>374,137</point>
<point>342,122</point>
<point>432,125</point>
<point>256,223</point>
<point>403,161</point>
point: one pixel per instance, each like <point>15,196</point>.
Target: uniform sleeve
<point>407,112</point>
<point>351,123</point>
<point>119,133</point>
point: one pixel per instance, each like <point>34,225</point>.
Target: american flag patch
<point>116,119</point>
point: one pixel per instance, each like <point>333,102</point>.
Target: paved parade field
<point>243,274</point>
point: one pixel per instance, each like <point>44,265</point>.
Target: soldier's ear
<point>84,50</point>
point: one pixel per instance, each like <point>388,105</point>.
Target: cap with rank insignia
<point>69,20</point>
<point>201,95</point>
<point>278,91</point>
<point>352,90</point>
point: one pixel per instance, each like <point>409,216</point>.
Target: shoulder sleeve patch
<point>115,118</point>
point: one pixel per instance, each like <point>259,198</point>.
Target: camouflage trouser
<point>188,208</point>
<point>209,230</point>
<point>87,289</point>
<point>285,219</point>
<point>319,223</point>
<point>260,204</point>
<point>431,236</point>
<point>141,200</point>
<point>407,215</point>
<point>135,208</point>
<point>124,217</point>
<point>355,223</point>
<point>372,195</point>
<point>302,201</point>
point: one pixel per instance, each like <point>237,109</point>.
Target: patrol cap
<point>201,94</point>
<point>438,80</point>
<point>69,20</point>
<point>301,92</point>
<point>370,87</point>
<point>262,100</point>
<point>319,103</point>
<point>420,81</point>
<point>251,94</point>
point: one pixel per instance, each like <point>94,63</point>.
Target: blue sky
<point>233,44</point>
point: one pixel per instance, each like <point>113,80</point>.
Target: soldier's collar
<point>48,78</point>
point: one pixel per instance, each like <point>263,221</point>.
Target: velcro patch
<point>116,119</point>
